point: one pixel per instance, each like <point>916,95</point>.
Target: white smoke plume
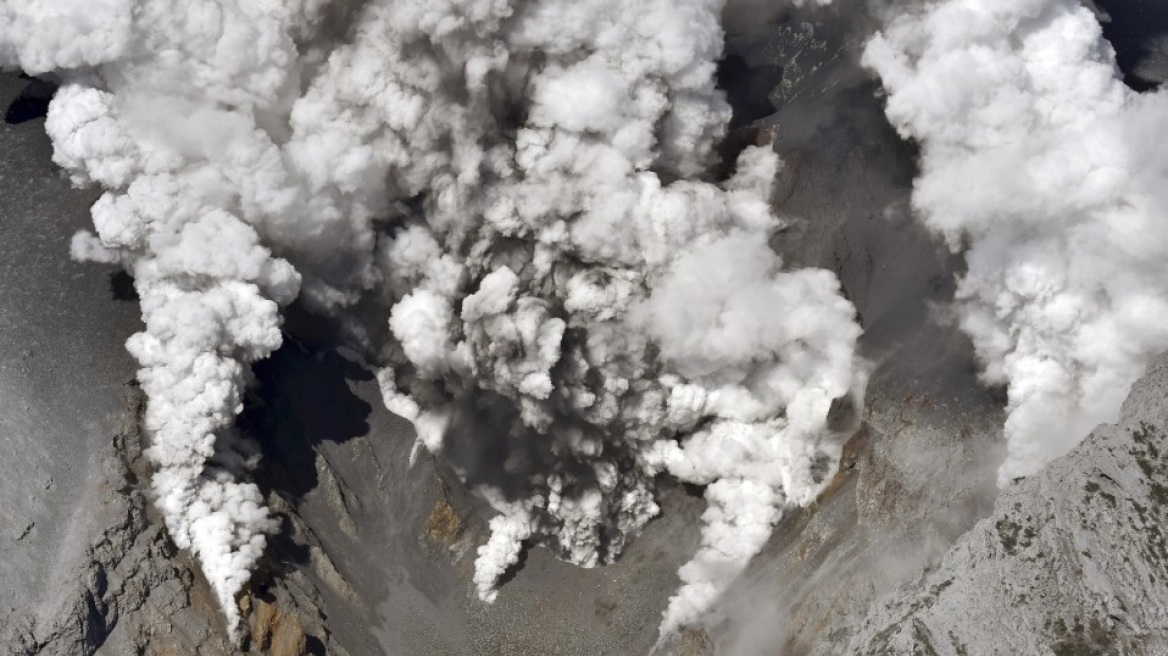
<point>1048,172</point>
<point>574,308</point>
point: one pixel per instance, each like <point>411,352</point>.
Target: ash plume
<point>1046,169</point>
<point>564,302</point>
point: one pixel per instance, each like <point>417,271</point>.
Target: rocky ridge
<point>1073,560</point>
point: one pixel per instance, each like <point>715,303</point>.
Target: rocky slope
<point>1073,560</point>
<point>81,559</point>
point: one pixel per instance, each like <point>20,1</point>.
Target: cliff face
<point>1073,560</point>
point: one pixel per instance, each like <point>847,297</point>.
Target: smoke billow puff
<point>573,309</point>
<point>1046,169</point>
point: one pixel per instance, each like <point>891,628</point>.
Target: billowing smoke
<point>517,190</point>
<point>1048,172</point>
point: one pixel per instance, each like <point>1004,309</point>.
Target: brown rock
<point>690,641</point>
<point>443,526</point>
<point>276,633</point>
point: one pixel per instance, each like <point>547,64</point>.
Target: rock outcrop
<point>1073,560</point>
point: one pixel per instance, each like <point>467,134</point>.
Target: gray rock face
<point>132,592</point>
<point>1073,560</point>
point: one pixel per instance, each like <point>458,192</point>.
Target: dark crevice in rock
<point>121,286</point>
<point>32,103</point>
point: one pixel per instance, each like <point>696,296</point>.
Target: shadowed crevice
<point>32,102</point>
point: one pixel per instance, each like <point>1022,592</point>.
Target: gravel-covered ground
<point>62,368</point>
